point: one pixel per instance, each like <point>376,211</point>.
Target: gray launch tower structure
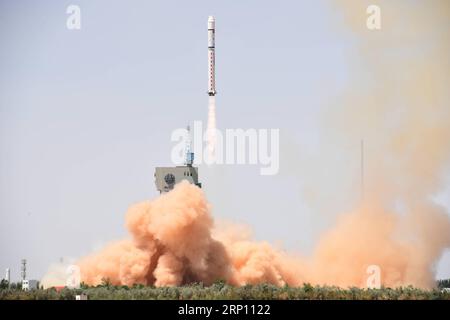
<point>167,177</point>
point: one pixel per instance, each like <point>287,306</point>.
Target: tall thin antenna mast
<point>189,154</point>
<point>8,276</point>
<point>24,269</point>
<point>362,170</point>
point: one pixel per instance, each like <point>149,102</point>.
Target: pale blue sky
<point>86,115</point>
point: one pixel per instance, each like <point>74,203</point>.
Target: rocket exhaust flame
<point>211,131</point>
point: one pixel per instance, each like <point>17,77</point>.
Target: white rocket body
<point>211,56</point>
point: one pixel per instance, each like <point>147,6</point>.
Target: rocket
<point>211,56</point>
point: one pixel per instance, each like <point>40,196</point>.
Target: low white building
<point>82,296</point>
<point>29,285</point>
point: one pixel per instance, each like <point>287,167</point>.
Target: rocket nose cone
<point>211,22</point>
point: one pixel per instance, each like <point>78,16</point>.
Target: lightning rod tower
<point>23,269</point>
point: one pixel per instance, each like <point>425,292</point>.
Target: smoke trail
<point>211,130</point>
<point>399,103</point>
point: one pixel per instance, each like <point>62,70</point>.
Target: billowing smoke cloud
<point>174,242</point>
<point>171,244</point>
<point>57,275</point>
<point>404,247</point>
<point>399,103</point>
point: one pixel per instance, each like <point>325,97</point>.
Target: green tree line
<point>221,290</point>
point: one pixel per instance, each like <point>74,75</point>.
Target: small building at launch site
<point>167,177</point>
<point>82,296</point>
<point>28,285</point>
